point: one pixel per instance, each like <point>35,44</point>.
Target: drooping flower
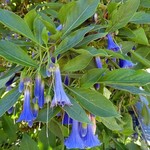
<point>74,140</point>
<point>98,62</point>
<point>49,69</point>
<point>41,99</point>
<point>60,97</point>
<point>35,110</point>
<point>91,140</point>
<point>37,87</point>
<point>10,110</point>
<point>21,86</point>
<point>66,119</point>
<point>26,114</point>
<point>59,27</point>
<point>126,63</point>
<point>111,44</point>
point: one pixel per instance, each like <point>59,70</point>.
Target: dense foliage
<point>74,74</point>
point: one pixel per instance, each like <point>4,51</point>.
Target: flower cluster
<point>82,136</point>
<point>60,98</point>
<point>111,45</point>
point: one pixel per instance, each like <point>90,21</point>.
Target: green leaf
<point>145,3</point>
<point>123,15</point>
<point>46,139</point>
<point>62,15</point>
<point>9,100</point>
<point>126,77</point>
<point>16,23</point>
<point>91,77</point>
<point>9,127</point>
<point>76,111</point>
<point>141,18</point>
<point>3,81</point>
<point>38,28</point>
<point>91,38</point>
<point>55,128</point>
<point>131,89</point>
<point>15,54</point>
<point>94,102</point>
<point>78,63</point>
<point>83,9</point>
<point>96,52</point>
<point>29,18</point>
<point>140,36</point>
<point>42,116</point>
<point>72,40</point>
<point>141,59</point>
<point>128,127</point>
<point>3,136</point>
<point>11,72</point>
<point>28,143</point>
<point>110,123</point>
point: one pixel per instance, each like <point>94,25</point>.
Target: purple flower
<point>37,86</point>
<point>59,27</point>
<point>21,86</point>
<point>49,69</point>
<point>60,97</point>
<point>98,62</point>
<point>111,44</point>
<point>35,110</point>
<point>91,140</point>
<point>66,119</point>
<point>10,110</point>
<point>74,140</point>
<point>126,63</point>
<point>41,99</point>
<point>26,114</point>
<point>97,86</point>
<point>10,81</point>
<point>66,80</point>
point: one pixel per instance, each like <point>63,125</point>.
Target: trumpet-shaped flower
<point>60,97</point>
<point>111,44</point>
<point>21,86</point>
<point>126,63</point>
<point>26,114</point>
<point>91,140</point>
<point>41,99</point>
<point>37,86</point>
<point>98,62</point>
<point>74,140</point>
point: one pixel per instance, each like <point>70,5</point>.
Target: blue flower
<point>60,97</point>
<point>98,62</point>
<point>41,99</point>
<point>59,27</point>
<point>126,63</point>
<point>21,86</point>
<point>91,140</point>
<point>26,114</point>
<point>66,119</point>
<point>74,140</point>
<point>66,80</point>
<point>111,44</point>
<point>10,110</point>
<point>37,86</point>
<point>10,81</point>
